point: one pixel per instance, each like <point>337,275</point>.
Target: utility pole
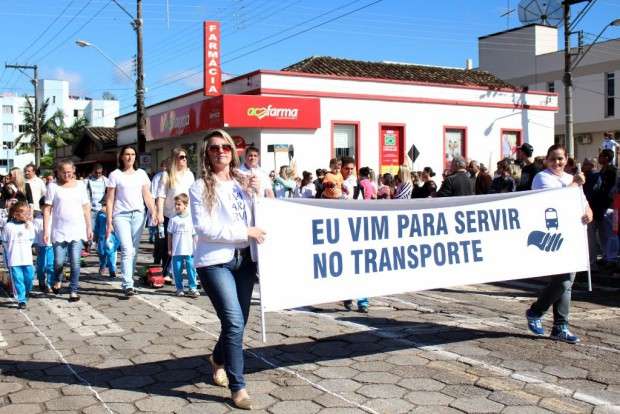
<point>140,118</point>
<point>568,84</point>
<point>37,127</point>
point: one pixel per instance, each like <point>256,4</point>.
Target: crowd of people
<point>205,226</point>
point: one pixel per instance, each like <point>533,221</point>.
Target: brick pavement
<point>447,351</point>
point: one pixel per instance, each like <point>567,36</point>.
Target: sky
<point>256,34</point>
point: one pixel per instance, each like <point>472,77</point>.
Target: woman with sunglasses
<point>221,207</point>
<point>129,188</point>
<point>557,293</point>
<point>174,181</point>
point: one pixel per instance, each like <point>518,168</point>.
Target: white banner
<point>319,251</point>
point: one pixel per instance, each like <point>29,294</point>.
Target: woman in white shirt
<point>174,181</point>
<point>128,191</point>
<point>221,208</point>
<point>66,218</point>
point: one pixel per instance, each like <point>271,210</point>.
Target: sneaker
<point>348,304</point>
<point>180,293</point>
<point>193,293</point>
<point>21,305</point>
<point>74,297</point>
<point>130,292</point>
<point>112,275</point>
<point>534,324</point>
<point>103,272</point>
<point>363,309</point>
<point>561,333</point>
<point>167,280</point>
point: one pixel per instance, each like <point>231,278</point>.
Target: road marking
<point>82,318</point>
<point>577,395</point>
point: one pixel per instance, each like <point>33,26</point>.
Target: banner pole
<point>585,227</point>
<point>263,325</point>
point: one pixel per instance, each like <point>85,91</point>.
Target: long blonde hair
<point>208,176</point>
<point>18,179</point>
<point>170,178</point>
<point>404,174</point>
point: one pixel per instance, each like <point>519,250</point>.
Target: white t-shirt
<point>546,179</point>
<point>265,182</point>
<point>17,239</point>
<point>609,144</point>
<point>37,188</point>
<point>128,187</point>
<point>38,231</point>
<point>183,183</point>
<point>68,223</point>
<point>350,183</point>
<point>182,230</point>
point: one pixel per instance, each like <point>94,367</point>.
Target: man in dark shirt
<point>458,183</point>
<point>602,198</point>
<point>528,168</point>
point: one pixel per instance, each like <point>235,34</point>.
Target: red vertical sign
<point>212,59</point>
<point>390,146</point>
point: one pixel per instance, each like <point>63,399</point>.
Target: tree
<point>47,126</point>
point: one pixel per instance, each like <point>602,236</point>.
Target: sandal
<point>219,375</point>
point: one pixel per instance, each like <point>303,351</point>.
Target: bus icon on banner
<point>551,218</point>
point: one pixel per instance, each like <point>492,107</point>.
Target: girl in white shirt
<point>128,191</point>
<point>17,238</point>
<point>66,217</point>
<point>221,208</point>
<point>174,181</point>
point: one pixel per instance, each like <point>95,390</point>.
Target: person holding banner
<point>557,293</point>
<point>221,208</point>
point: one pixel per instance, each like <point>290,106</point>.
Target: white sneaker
<point>193,293</point>
<point>180,293</point>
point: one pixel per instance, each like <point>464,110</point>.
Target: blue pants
<point>229,286</point>
<point>22,277</point>
<point>128,227</point>
<point>177,269</point>
<point>45,265</point>
<point>73,250</point>
<point>108,260</point>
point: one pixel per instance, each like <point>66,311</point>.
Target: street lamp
<point>84,43</point>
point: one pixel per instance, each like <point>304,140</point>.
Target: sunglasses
<point>182,157</point>
<point>217,148</point>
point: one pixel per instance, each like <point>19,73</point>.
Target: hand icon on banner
<point>548,242</point>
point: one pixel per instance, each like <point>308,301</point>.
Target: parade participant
<point>17,238</point>
<point>528,168</point>
<point>67,214</point>
<point>456,184</point>
<point>332,183</point>
<point>251,166</point>
<point>350,186</point>
<point>16,188</point>
<point>128,191</point>
<point>386,188</point>
<point>602,207</point>
<point>37,185</point>
<point>96,185</point>
<point>503,183</point>
<point>405,185</point>
<point>609,143</point>
<point>483,181</point>
<point>45,251</point>
<point>151,225</point>
<point>107,247</point>
<point>174,181</point>
<point>428,187</point>
<point>318,182</point>
<point>284,183</point>
<point>369,191</point>
<point>181,246</point>
<point>557,293</point>
<point>306,188</point>
<point>221,208</point>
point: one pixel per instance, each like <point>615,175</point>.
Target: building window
<point>454,144</point>
<point>4,163</point>
<point>551,86</point>
<point>53,99</point>
<point>76,113</point>
<point>344,140</point>
<point>511,139</point>
<point>22,128</point>
<point>7,129</point>
<point>8,145</point>
<point>98,113</point>
<point>7,109</point>
<point>610,94</point>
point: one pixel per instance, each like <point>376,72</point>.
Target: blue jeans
<point>74,250</point>
<point>45,265</point>
<point>229,286</point>
<point>557,293</point>
<point>128,227</point>
<point>21,277</point>
<point>177,269</point>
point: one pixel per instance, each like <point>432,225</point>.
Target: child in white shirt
<point>45,252</point>
<point>181,246</point>
<point>17,237</point>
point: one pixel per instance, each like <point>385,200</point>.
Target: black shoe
<point>130,292</point>
<point>112,275</point>
<point>43,288</point>
<point>21,305</point>
<point>363,309</point>
<point>56,290</point>
<point>348,304</point>
<point>74,297</point>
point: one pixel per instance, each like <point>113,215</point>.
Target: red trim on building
<point>358,152</point>
<point>389,98</point>
<point>464,153</point>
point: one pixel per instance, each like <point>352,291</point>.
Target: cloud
<point>74,79</point>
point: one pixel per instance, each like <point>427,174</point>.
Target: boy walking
<point>181,246</point>
<point>45,252</point>
<point>106,248</point>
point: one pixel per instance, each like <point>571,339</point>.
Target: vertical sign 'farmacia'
<point>212,59</point>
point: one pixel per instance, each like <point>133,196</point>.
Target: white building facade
<point>529,57</point>
<point>311,118</point>
<point>98,112</point>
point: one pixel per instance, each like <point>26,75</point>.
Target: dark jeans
<point>229,286</point>
<point>73,249</point>
<point>557,293</point>
<point>160,250</point>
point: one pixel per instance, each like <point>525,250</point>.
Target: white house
<point>376,112</point>
<point>98,113</point>
<point>529,57</point>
